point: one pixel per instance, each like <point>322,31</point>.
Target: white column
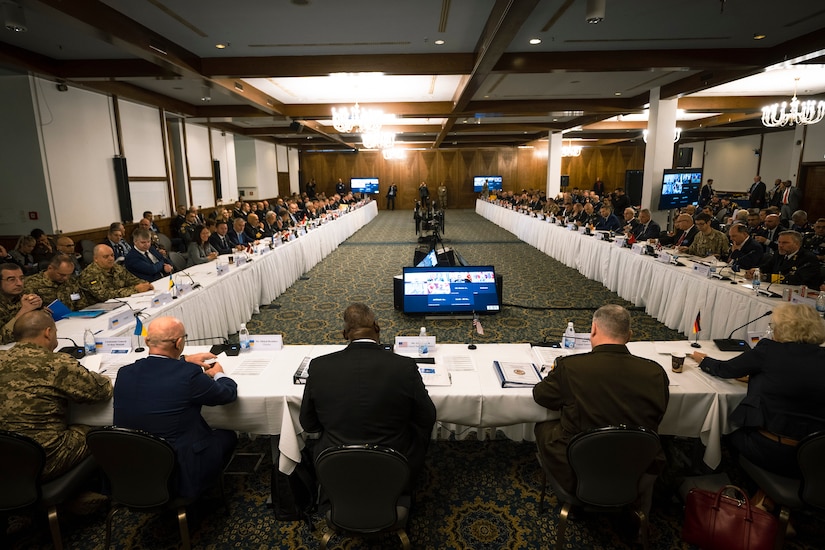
<point>554,144</point>
<point>659,151</point>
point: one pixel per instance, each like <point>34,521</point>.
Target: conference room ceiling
<point>286,63</point>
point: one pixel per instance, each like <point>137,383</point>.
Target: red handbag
<point>714,521</point>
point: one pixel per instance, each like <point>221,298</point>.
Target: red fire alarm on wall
<point>33,215</point>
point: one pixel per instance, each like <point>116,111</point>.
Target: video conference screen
<point>493,183</point>
<point>367,186</point>
<point>680,187</point>
<point>450,289</point>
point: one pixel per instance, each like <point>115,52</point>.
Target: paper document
<point>456,363</point>
<point>252,366</point>
<point>110,364</point>
<point>516,375</point>
<point>434,374</point>
<point>546,357</point>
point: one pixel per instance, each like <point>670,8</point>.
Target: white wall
<point>245,166</point>
<point>777,151</point>
<point>22,176</point>
<point>223,150</point>
<point>732,163</point>
<point>199,158</point>
<point>814,143</point>
<point>142,134</point>
<point>294,170</point>
<point>78,144</point>
<point>267,169</point>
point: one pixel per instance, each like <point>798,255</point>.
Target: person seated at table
<point>684,234</point>
<point>38,385</point>
<point>163,394</point>
<point>590,217</point>
<point>630,222</point>
<point>14,302</point>
<point>785,388</point>
<point>103,279</point>
<point>646,228</point>
<point>21,254</point>
<point>237,235</point>
<point>745,252</point>
<point>57,282</point>
<point>791,264</point>
<point>607,386</point>
<point>44,248</point>
<point>115,240</point>
<point>144,260</point>
<point>768,234</point>
<point>200,251</point>
<point>254,229</point>
<point>578,215</point>
<point>366,394</point>
<point>607,220</point>
<point>708,240</point>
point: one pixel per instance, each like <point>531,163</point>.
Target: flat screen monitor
<point>493,183</point>
<point>445,290</point>
<point>367,186</point>
<point>680,187</point>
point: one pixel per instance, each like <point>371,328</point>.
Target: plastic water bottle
<point>568,341</point>
<point>243,337</point>
<point>89,342</point>
<point>820,303</point>
<point>423,349</point>
<point>756,281</point>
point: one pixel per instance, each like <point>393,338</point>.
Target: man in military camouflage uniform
<point>57,282</point>
<point>13,301</point>
<point>103,280</point>
<point>38,385</point>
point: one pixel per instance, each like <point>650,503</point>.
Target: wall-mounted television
<point>446,290</point>
<point>493,183</point>
<point>680,187</point>
<point>367,186</point>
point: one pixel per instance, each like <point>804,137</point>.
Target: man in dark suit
<point>163,395</point>
<point>146,261</point>
<point>220,240</point>
<point>757,193</point>
<point>745,252</point>
<point>607,386</point>
<point>237,235</point>
<point>687,232</point>
<point>768,233</point>
<point>365,394</point>
<point>646,228</point>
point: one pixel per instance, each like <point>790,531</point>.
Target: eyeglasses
<point>13,279</point>
<point>173,340</point>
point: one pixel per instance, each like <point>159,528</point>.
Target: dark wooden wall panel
<point>520,168</point>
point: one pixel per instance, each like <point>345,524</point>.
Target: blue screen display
<point>493,183</point>
<point>680,187</point>
<point>450,289</point>
<point>367,186</point>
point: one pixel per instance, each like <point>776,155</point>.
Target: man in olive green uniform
<point>607,386</point>
<point>37,387</point>
<point>103,280</point>
<point>13,301</point>
<point>57,282</point>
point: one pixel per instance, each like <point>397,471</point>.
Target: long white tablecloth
<point>269,402</point>
<point>218,308</point>
<point>673,295</point>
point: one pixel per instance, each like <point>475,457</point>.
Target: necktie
<point>785,196</point>
<point>681,238</point>
<point>148,257</point>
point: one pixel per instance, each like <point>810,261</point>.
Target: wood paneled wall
<point>519,168</point>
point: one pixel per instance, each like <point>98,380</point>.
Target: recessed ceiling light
<point>439,42</point>
<point>617,93</point>
<point>535,41</point>
<point>758,36</point>
<point>221,45</point>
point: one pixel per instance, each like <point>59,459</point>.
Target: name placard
<point>702,270</point>
<point>240,260</point>
<point>117,344</point>
<point>409,344</point>
<point>223,269</point>
<point>663,257</point>
<point>619,241</point>
<point>121,319</point>
<point>266,342</point>
<point>161,299</point>
<point>638,248</point>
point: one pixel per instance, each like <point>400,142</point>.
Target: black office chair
<point>365,486</point>
<point>21,464</point>
<point>609,464</point>
<point>794,494</point>
<point>141,469</point>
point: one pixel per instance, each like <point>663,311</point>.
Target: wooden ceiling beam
<point>141,95</point>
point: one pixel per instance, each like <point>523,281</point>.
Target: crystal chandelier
<point>571,150</point>
<point>802,112</point>
<point>677,134</point>
<point>356,119</point>
<point>378,140</point>
<point>393,154</point>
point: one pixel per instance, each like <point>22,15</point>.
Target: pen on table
<point>98,332</point>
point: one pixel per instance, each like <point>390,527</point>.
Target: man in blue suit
<point>163,394</point>
<point>237,235</point>
<point>146,261</point>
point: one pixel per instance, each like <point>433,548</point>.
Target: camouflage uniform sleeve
<point>77,383</point>
<point>8,309</point>
<point>129,280</point>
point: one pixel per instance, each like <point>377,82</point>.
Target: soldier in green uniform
<point>13,301</point>
<point>103,280</point>
<point>38,385</point>
<point>57,282</point>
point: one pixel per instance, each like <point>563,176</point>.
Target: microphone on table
<point>74,350</point>
<point>191,280</point>
<point>767,291</point>
<point>228,347</point>
<point>732,344</point>
<point>136,313</point>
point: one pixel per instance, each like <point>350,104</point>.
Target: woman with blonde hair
<point>786,383</point>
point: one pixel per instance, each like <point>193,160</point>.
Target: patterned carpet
<point>475,494</point>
